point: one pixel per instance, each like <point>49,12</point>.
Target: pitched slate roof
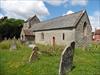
<point>59,22</point>
<point>31,18</point>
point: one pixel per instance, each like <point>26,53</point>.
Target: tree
<point>10,27</point>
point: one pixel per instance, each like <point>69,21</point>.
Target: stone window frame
<point>63,36</point>
<point>42,36</point>
<point>85,29</point>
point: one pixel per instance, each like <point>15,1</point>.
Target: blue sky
<point>91,6</point>
<point>48,9</point>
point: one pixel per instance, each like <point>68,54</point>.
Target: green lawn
<point>86,62</point>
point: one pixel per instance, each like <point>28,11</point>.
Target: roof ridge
<point>76,12</point>
<point>83,11</point>
<point>32,17</point>
<point>61,16</point>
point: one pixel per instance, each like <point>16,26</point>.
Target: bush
<point>5,44</point>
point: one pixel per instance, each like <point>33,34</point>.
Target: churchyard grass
<point>87,61</point>
<point>15,62</point>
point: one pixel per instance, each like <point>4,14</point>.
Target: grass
<point>86,62</point>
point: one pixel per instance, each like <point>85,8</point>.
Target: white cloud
<point>24,8</point>
<point>95,20</point>
<point>68,12</point>
<point>79,2</point>
<point>56,2</point>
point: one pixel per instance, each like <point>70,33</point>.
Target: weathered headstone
<point>5,38</point>
<point>13,45</point>
<point>34,54</point>
<point>66,62</point>
<point>73,45</point>
<point>73,48</point>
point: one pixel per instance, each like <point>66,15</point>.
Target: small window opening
<point>85,29</point>
<point>42,36</point>
<point>63,36</point>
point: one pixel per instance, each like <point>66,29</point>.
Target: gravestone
<point>66,62</point>
<point>13,45</point>
<point>34,54</point>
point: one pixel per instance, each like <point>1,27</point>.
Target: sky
<point>48,9</point>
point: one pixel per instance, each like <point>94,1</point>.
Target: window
<point>63,36</point>
<point>42,36</point>
<point>85,29</point>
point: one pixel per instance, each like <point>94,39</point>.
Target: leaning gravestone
<point>34,54</point>
<point>66,62</point>
<point>13,45</point>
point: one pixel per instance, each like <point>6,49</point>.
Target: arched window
<point>63,36</point>
<point>85,29</point>
<point>42,36</point>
